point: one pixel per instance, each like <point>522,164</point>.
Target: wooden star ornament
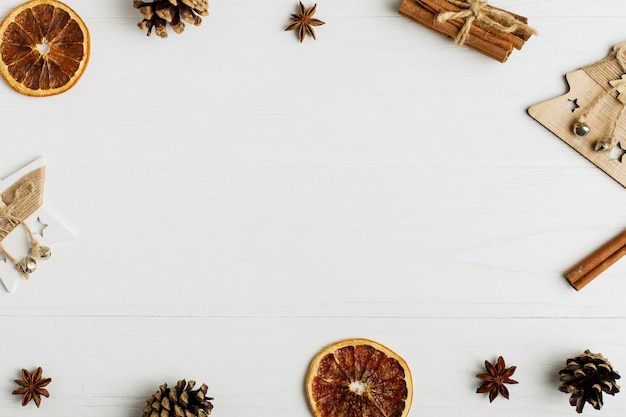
<point>590,117</point>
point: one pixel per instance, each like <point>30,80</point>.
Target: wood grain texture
<point>250,199</point>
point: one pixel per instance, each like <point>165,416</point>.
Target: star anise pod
<point>495,378</point>
<point>304,22</point>
<point>32,387</point>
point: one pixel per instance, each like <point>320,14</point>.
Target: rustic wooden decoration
<point>487,29</point>
<point>597,98</point>
<point>24,223</point>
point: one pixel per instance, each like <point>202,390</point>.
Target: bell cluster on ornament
<point>581,129</point>
<point>28,265</point>
<point>159,13</point>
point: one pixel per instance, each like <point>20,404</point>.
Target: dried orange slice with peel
<point>359,378</point>
<point>44,48</point>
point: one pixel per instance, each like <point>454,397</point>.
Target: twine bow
<point>8,221</point>
<point>479,10</point>
<point>9,213</point>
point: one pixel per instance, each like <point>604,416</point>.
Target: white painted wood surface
<point>240,200</point>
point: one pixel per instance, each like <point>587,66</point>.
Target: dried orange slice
<point>359,378</point>
<point>44,48</point>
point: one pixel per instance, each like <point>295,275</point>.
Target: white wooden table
<point>241,200</point>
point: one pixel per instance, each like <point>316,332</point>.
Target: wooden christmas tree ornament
<point>487,29</point>
<point>590,116</point>
<point>17,203</point>
<point>23,220</point>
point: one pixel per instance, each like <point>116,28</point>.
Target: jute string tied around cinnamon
<point>479,10</point>
<point>18,203</point>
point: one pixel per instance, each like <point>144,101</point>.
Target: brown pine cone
<point>159,13</point>
<point>179,401</point>
<point>585,377</point>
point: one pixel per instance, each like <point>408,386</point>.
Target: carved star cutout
<point>617,152</point>
<point>572,104</point>
<point>17,242</point>
<point>38,227</point>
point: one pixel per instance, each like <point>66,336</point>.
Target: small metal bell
<point>602,145</point>
<point>45,252</point>
<point>28,265</point>
<point>580,129</point>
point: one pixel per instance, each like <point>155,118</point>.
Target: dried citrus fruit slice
<point>359,378</point>
<point>44,48</point>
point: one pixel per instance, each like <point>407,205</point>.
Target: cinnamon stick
<point>486,40</point>
<point>596,263</point>
<point>478,28</point>
<point>413,10</point>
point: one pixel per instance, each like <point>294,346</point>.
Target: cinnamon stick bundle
<point>484,36</point>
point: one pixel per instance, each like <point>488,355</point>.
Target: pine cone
<point>159,13</point>
<point>179,401</point>
<point>585,377</point>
